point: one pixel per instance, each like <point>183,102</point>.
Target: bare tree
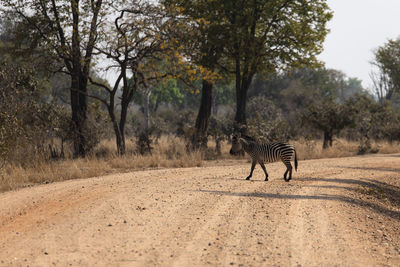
<point>382,85</point>
<point>134,45</point>
<point>387,77</point>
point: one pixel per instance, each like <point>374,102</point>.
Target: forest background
<point>188,74</point>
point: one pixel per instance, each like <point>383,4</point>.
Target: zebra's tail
<point>295,160</point>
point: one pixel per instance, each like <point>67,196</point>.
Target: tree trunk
<point>328,135</point>
<point>127,95</point>
<point>390,92</point>
<point>118,136</point>
<point>122,121</point>
<point>79,109</point>
<point>218,146</point>
<point>199,138</point>
<point>214,104</point>
<point>241,100</point>
<point>119,139</point>
<point>146,108</point>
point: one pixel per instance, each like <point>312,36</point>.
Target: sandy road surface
<point>335,212</point>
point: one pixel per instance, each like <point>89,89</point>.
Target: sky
<point>357,28</point>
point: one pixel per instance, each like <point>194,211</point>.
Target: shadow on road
<point>392,193</point>
<point>383,169</point>
<point>372,187</point>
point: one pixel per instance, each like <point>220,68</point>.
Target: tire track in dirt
<point>313,233</point>
<point>210,233</point>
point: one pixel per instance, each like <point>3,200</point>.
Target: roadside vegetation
<point>168,152</point>
<point>186,75</point>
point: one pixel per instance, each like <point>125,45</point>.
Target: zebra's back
<point>272,152</point>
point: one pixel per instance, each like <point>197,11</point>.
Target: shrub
<point>266,122</point>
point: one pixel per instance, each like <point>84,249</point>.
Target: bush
<point>220,129</point>
<point>266,122</point>
<point>372,120</point>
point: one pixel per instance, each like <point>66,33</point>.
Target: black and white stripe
<point>263,153</point>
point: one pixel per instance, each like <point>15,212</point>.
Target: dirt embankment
<point>343,212</point>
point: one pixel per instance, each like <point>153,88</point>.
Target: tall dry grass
<point>312,149</point>
<point>168,152</point>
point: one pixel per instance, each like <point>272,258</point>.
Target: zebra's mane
<point>248,139</point>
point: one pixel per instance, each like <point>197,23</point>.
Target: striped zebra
<point>263,153</point>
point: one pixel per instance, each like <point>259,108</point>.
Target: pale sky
<point>358,27</point>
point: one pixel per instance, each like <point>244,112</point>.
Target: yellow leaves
<point>191,72</point>
<point>202,21</point>
<point>180,9</point>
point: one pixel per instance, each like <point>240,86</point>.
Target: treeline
<point>191,68</point>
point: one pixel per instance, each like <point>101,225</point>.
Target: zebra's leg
<point>288,170</point>
<point>265,170</point>
<point>253,165</point>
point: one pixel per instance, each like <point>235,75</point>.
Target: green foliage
<point>266,34</point>
<point>327,116</point>
<point>266,122</point>
<point>224,92</point>
<point>371,120</point>
<point>165,92</point>
<point>303,85</point>
<point>248,37</point>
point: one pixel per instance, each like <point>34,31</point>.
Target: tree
<point>68,29</point>
<point>140,44</point>
<point>387,78</point>
<point>202,45</point>
<point>372,120</point>
<point>248,37</point>
<point>152,96</point>
<point>266,36</point>
<point>166,92</point>
<point>329,117</point>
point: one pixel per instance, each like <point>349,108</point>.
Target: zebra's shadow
<point>397,170</point>
<point>327,197</point>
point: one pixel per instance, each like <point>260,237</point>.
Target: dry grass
<point>312,149</point>
<point>168,152</point>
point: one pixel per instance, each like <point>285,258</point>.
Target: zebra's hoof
<point>248,178</point>
<point>266,179</point>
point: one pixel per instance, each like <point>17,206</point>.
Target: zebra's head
<point>236,145</point>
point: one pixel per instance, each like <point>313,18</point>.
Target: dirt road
<point>335,212</point>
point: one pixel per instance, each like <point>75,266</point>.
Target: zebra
<point>263,153</point>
